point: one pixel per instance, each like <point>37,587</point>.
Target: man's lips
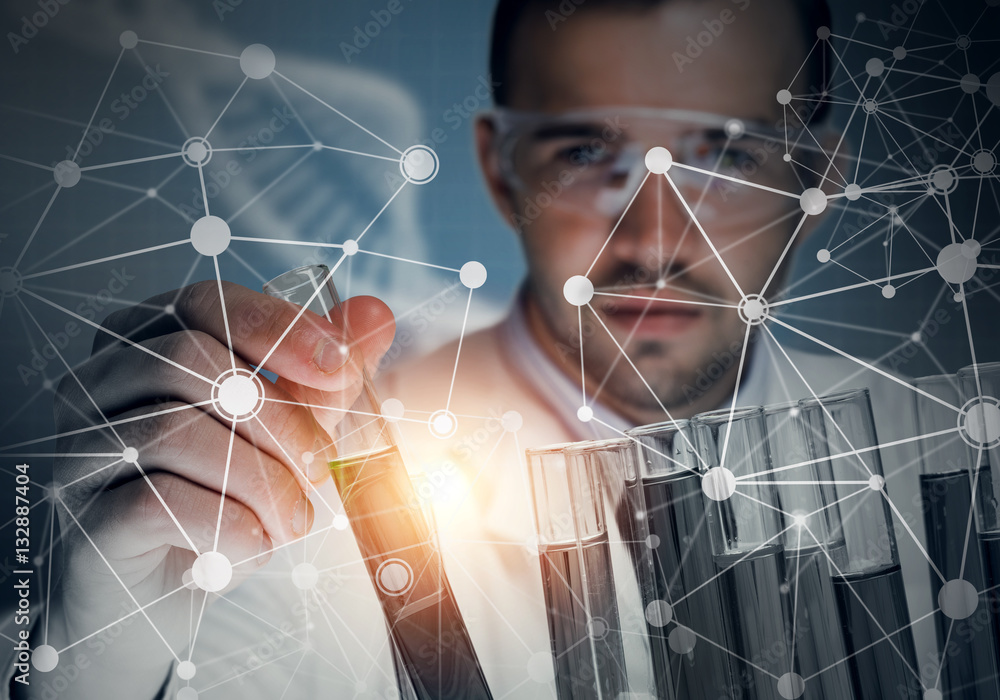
<point>650,316</point>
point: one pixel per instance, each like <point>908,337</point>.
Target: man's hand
<point>138,524</point>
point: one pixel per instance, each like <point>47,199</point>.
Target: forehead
<point>722,56</point>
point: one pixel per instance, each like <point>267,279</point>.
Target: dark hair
<point>812,13</point>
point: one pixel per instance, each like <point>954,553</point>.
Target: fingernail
<point>301,518</point>
<point>266,550</point>
<point>317,468</point>
<point>331,355</point>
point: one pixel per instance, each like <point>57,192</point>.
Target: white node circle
<point>187,693</point>
<point>473,274</point>
<point>899,53</point>
<point>983,162</point>
<point>130,455</point>
<point>597,628</point>
<point>196,151</point>
<point>783,97</point>
<point>963,42</point>
<point>128,39</point>
<point>210,236</point>
<point>870,106</point>
<point>340,522</point>
<point>257,61</point>
<point>791,686</point>
<point>394,577</point>
<point>933,694</point>
<point>187,579</point>
<point>735,128</point>
<point>44,658</point>
<point>993,89</point>
<point>419,164</point>
<point>212,572</point>
<point>888,291</point>
<point>305,576</point>
<point>659,613</point>
<point>511,421</point>
<point>10,281</point>
<point>875,67</point>
<point>979,422</point>
<point>753,309</point>
<point>970,83</point>
<point>971,248</point>
<point>152,193</point>
<point>954,265</point>
<point>813,201</point>
<point>681,640</point>
<point>823,33</point>
<point>66,173</point>
<point>958,599</point>
<point>917,337</point>
<point>308,458</point>
<point>186,670</point>
<point>169,309</point>
<point>658,160</point>
<point>652,541</point>
<point>853,192</point>
<point>719,483</point>
<point>876,482</point>
<point>238,395</point>
<point>585,414</point>
<point>943,180</point>
<point>823,255</point>
<point>958,297</point>
<point>578,290</point>
<point>351,247</point>
<point>787,157</point>
<point>442,424</point>
<point>541,668</point>
<point>392,410</point>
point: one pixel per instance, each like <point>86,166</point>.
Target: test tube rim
<point>845,396</point>
<point>722,416</point>
<point>270,284</point>
<point>676,425</point>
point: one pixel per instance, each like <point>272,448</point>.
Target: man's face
<point>604,58</point>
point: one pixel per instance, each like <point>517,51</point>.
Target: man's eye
<point>584,153</point>
<point>724,159</point>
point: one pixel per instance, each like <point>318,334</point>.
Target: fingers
<point>191,444</point>
<point>123,381</point>
<point>137,519</point>
<point>299,345</point>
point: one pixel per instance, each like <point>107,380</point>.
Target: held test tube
<point>869,585</point>
<point>390,528</point>
<point>979,427</point>
<point>968,654</point>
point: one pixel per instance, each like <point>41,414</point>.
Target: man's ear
<point>489,164</point>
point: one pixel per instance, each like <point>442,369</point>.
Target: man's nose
<point>655,230</point>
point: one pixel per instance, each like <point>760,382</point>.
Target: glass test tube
<point>577,575</point>
<point>980,423</point>
<point>689,647</point>
<point>869,586</point>
<point>390,526</point>
<point>745,528</point>
<point>805,492</point>
<point>968,653</point>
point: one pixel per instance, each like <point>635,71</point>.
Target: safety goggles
<point>594,160</point>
